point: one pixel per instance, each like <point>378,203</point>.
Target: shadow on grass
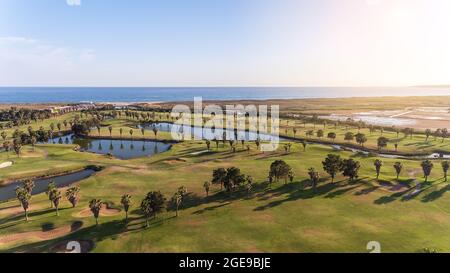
<point>298,191</point>
<point>18,218</point>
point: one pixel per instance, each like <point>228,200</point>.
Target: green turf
<point>341,217</point>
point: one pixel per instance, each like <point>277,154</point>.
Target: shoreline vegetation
<point>307,193</point>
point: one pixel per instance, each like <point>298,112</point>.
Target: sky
<point>224,42</point>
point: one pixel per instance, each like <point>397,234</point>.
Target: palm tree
<point>95,205</point>
<point>131,133</point>
<point>427,134</point>
<point>17,146</point>
<point>126,203</point>
<point>177,198</point>
<point>427,166</point>
<point>445,166</point>
<point>7,147</point>
<point>55,197</point>
<point>110,128</point>
<point>28,185</point>
<point>314,177</point>
<point>304,144</point>
<point>120,132</point>
<point>378,164</point>
<point>398,166</point>
<point>155,131</point>
<point>72,194</point>
<point>24,198</point>
<point>50,187</point>
<point>208,144</point>
<point>206,186</point>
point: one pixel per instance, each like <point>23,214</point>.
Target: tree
<point>331,136</point>
<point>219,176</point>
<point>361,139</point>
<point>332,165</point>
<point>319,133</point>
<point>131,133</point>
<point>126,203</point>
<point>206,186</point>
<point>378,164</point>
<point>120,132</point>
<point>17,146</point>
<point>177,198</point>
<point>444,134</point>
<point>95,205</point>
<point>55,197</point>
<point>72,195</point>
<point>349,136</point>
<point>427,134</point>
<point>28,185</point>
<point>110,128</point>
<point>155,131</point>
<point>382,143</point>
<point>233,179</point>
<point>309,133</point>
<point>314,178</point>
<point>153,203</point>
<point>7,147</point>
<point>51,185</point>
<point>208,144</point>
<point>33,141</point>
<point>24,198</point>
<point>280,169</point>
<point>4,135</point>
<point>398,166</point>
<point>304,144</point>
<point>445,166</point>
<point>350,168</point>
<point>427,166</point>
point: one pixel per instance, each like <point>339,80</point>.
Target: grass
<point>341,217</point>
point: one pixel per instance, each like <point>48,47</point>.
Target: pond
<point>207,133</point>
<point>8,191</point>
<point>122,149</point>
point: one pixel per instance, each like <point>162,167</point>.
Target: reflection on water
<point>123,149</point>
<point>210,133</point>
<point>8,192</point>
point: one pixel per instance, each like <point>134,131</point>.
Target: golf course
<point>303,211</point>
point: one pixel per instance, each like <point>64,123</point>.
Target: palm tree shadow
<point>432,196</point>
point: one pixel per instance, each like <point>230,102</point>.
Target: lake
<point>40,185</point>
<point>122,149</point>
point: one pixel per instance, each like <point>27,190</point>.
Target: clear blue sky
<point>224,42</point>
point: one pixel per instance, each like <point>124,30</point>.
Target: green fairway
<point>340,217</point>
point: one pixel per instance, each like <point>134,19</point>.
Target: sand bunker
<point>105,211</point>
<point>175,161</point>
<point>5,164</point>
<point>41,235</point>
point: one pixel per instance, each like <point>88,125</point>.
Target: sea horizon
<point>17,95</point>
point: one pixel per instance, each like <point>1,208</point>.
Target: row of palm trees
<point>153,203</point>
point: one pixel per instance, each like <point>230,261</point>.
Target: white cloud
<point>24,60</point>
<point>73,2</point>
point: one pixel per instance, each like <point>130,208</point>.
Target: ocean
<point>163,94</point>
